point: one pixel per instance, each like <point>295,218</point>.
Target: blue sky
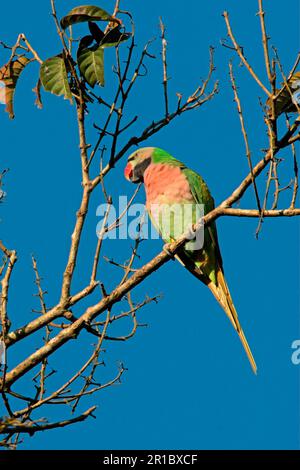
<point>188,383</point>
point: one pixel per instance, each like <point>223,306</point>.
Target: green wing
<point>201,194</point>
<point>209,260</point>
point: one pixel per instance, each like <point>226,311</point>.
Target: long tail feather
<point>222,294</point>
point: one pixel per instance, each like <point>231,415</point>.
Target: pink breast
<point>166,184</point>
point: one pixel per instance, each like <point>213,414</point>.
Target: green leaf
<point>114,37</point>
<point>9,75</point>
<point>54,77</point>
<point>86,13</point>
<point>284,102</point>
<point>85,42</point>
<point>91,64</point>
<point>96,32</point>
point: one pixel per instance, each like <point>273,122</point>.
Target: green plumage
<point>161,156</point>
<point>211,251</point>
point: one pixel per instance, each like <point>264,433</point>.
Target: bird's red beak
<point>128,171</point>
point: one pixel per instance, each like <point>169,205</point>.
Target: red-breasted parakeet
<point>172,188</point>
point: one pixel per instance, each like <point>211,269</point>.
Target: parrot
<point>170,186</point>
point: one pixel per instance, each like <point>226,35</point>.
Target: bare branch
<point>265,40</point>
<point>165,67</point>
<point>12,259</point>
<point>13,426</point>
<point>244,132</point>
<point>241,55</point>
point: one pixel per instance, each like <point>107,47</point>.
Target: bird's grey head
<point>137,164</point>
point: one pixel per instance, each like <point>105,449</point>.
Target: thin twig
<point>165,66</point>
<point>241,55</point>
<point>244,132</point>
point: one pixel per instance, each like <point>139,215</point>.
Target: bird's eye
<point>131,158</point>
